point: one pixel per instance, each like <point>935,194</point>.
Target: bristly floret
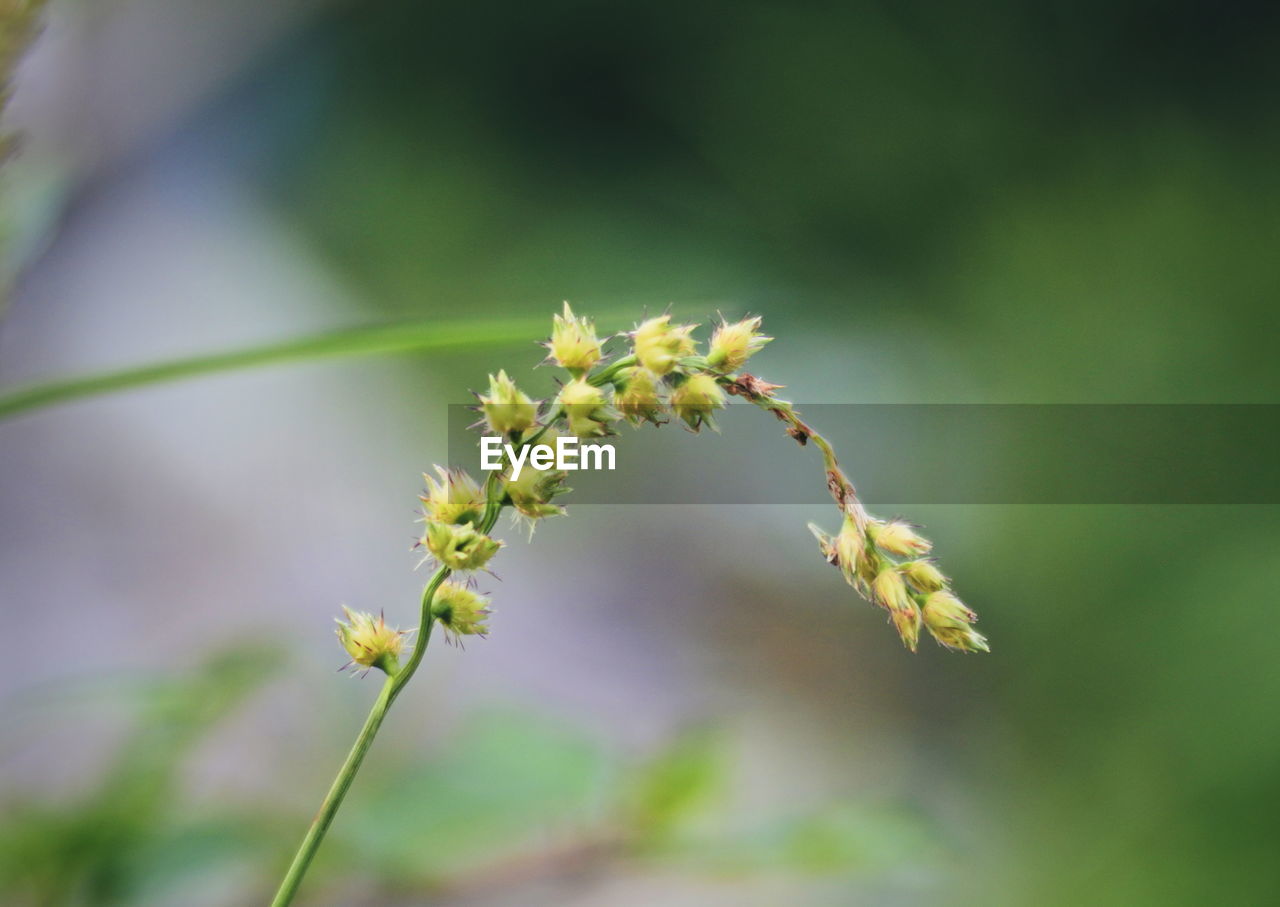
<point>370,642</point>
<point>507,409</point>
<point>452,498</point>
<point>639,398</point>
<point>459,547</point>
<point>659,345</point>
<point>733,344</point>
<point>694,401</point>
<point>460,611</point>
<point>586,409</point>
<point>573,344</point>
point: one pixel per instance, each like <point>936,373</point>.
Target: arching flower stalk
<point>660,376</point>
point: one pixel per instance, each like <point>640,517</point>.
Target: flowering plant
<point>659,375</point>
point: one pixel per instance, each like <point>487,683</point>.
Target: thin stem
<point>760,393</point>
<point>426,621</point>
<point>329,808</point>
<point>390,690</point>
<point>609,372</point>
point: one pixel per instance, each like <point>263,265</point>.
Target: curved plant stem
<point>329,808</point>
<point>390,690</point>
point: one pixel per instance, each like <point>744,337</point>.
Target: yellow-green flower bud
<point>639,400</point>
<point>849,546</point>
<point>897,537</point>
<point>659,344</point>
<point>459,547</point>
<point>573,343</point>
<point>507,410</point>
<point>906,621</point>
<point>696,399</point>
<point>890,591</point>
<point>844,550</point>
<point>460,610</point>
<point>531,494</point>
<point>370,642</point>
<point>949,621</point>
<point>924,575</point>
<point>586,409</point>
<point>453,498</point>
<point>733,344</point>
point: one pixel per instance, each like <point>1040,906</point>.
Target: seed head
<point>459,547</point>
<point>733,344</point>
<point>453,498</point>
<point>507,409</point>
<point>573,343</point>
<point>586,409</point>
<point>897,537</point>
<point>949,621</point>
<point>696,399</point>
<point>659,344</point>
<point>924,575</point>
<point>460,610</point>
<point>370,642</point>
<point>639,401</point>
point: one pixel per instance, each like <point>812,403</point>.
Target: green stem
<point>609,372</point>
<point>390,690</point>
<point>329,808</point>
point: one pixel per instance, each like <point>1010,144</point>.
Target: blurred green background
<point>929,203</point>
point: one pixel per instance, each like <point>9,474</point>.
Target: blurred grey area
<point>678,702</point>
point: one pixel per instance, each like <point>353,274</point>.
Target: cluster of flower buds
<point>886,563</point>
<point>659,374</point>
<point>452,509</point>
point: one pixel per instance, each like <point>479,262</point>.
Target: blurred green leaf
<point>95,851</point>
<point>505,781</point>
<point>673,789</point>
<point>369,341</point>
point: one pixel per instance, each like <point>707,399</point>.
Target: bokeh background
<point>990,202</point>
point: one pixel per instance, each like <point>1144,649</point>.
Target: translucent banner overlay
<point>940,454</point>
